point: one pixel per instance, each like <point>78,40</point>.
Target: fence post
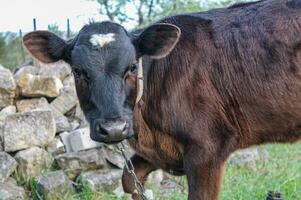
<point>34,24</point>
<point>68,28</point>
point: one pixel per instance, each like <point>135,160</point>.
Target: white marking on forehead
<point>102,39</point>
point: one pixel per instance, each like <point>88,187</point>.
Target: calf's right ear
<point>45,46</point>
<point>157,40</point>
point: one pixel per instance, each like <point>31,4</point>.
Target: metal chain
<point>131,170</point>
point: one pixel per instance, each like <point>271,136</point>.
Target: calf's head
<point>103,57</point>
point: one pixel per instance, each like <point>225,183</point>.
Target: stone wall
<point>44,136</point>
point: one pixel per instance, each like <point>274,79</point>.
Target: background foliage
<point>137,13</point>
<point>147,11</point>
<point>11,54</point>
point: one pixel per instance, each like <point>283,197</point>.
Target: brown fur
<point>232,81</point>
<point>168,150</point>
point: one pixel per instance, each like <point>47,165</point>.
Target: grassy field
<point>282,172</point>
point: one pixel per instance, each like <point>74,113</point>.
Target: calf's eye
<point>76,72</point>
<point>133,68</point>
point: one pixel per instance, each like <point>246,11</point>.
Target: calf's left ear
<point>45,46</point>
<point>157,40</point>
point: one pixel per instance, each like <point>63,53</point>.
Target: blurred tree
<point>11,54</point>
<point>118,10</point>
<point>2,46</point>
<point>54,28</point>
<point>142,12</point>
<point>179,6</point>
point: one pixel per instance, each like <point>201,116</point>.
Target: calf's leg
<point>204,174</point>
<point>142,169</point>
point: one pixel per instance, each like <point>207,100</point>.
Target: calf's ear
<point>45,46</point>
<point>157,40</point>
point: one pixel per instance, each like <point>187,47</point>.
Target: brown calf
<point>233,80</point>
<point>214,82</point>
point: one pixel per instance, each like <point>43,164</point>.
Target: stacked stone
<point>42,126</point>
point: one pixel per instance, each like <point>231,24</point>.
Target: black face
<point>104,65</point>
<point>104,58</point>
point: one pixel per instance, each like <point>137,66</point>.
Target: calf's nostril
<point>100,130</point>
<point>113,130</point>
<point>125,127</point>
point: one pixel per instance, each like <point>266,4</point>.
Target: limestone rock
<point>155,178</point>
<point>61,121</point>
<point>120,194</point>
<point>79,115</point>
<point>80,140</point>
<point>66,141</point>
<point>69,81</point>
<point>59,69</point>
<point>11,180</point>
<point>39,86</point>
<point>62,124</point>
<point>28,69</point>
<point>9,110</point>
<point>149,194</point>
<point>32,161</point>
<point>102,180</point>
<point>10,191</point>
<point>66,100</point>
<point>7,166</point>
<point>56,147</point>
<point>75,163</point>
<point>7,87</point>
<point>74,125</point>
<point>26,105</point>
<point>114,157</point>
<point>1,140</point>
<point>249,157</point>
<point>54,185</point>
<point>23,130</point>
<point>170,186</point>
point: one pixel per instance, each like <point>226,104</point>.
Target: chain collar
<point>139,189</point>
<point>131,170</point>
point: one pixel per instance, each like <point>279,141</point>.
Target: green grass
<point>281,173</point>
